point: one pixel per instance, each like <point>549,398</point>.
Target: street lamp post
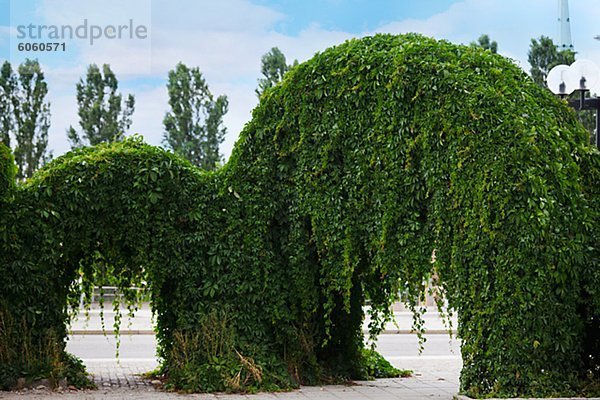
<point>591,103</point>
<point>580,77</point>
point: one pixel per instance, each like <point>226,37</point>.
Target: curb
<point>411,332</point>
<point>151,332</point>
<point>110,332</point>
<point>463,397</point>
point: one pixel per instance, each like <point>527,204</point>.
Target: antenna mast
<point>564,26</point>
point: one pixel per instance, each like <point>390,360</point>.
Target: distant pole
<point>564,26</point>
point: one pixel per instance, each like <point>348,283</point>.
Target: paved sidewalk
<point>126,374</point>
<point>435,377</point>
<point>426,384</point>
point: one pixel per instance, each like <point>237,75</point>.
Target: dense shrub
<point>353,171</point>
<point>7,171</point>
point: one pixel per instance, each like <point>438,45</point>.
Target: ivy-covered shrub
<point>7,171</point>
<point>353,171</point>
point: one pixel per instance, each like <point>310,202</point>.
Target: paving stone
<point>433,379</point>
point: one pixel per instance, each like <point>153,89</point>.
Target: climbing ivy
<point>353,171</point>
<point>7,171</point>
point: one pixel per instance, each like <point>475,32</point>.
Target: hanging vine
<point>357,167</point>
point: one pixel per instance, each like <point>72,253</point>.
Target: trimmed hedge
<point>353,171</point>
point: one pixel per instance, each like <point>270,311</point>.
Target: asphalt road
<point>143,347</point>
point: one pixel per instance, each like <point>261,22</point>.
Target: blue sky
<point>226,39</point>
<point>351,15</point>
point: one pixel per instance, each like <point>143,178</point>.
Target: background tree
<point>32,120</point>
<point>194,126</point>
<point>25,116</point>
<point>543,56</point>
<point>8,87</point>
<point>485,43</point>
<point>273,67</point>
<point>103,116</point>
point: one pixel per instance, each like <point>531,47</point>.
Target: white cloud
<point>512,23</point>
<point>309,41</point>
<point>5,32</point>
<point>69,12</point>
<point>150,107</point>
<point>63,108</point>
<point>241,101</point>
<point>226,40</point>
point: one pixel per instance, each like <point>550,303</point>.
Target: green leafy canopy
<point>354,170</point>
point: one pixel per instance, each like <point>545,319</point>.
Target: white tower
<point>564,26</point>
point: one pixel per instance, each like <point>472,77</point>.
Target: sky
<point>227,38</point>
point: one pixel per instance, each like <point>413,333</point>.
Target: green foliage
<point>32,120</point>
<point>194,126</point>
<point>486,43</point>
<point>205,359</point>
<point>543,55</point>
<point>25,353</point>
<point>378,367</point>
<point>273,68</point>
<point>8,87</point>
<point>587,118</point>
<point>8,172</point>
<point>103,116</point>
<point>25,115</point>
<point>353,170</point>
